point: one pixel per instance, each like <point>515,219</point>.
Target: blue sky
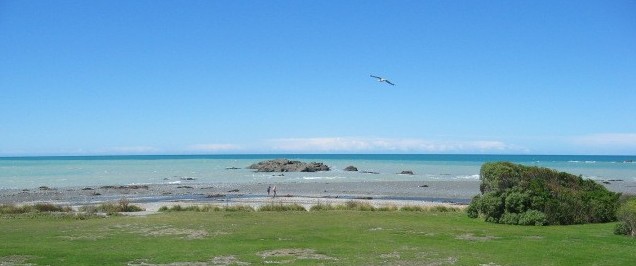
<point>208,77</point>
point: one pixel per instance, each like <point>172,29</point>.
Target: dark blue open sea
<point>32,172</point>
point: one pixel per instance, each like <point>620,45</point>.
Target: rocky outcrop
<point>407,172</point>
<point>284,165</point>
<point>351,168</point>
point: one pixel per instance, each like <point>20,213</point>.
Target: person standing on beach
<point>269,188</point>
<point>274,191</point>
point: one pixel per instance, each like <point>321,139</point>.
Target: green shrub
<point>517,202</point>
<point>191,208</point>
<point>442,208</point>
<point>621,228</point>
<point>491,206</point>
<point>532,217</point>
<point>387,208</point>
<point>358,206</point>
<point>239,208</point>
<point>38,207</point>
<point>509,218</point>
<point>112,208</point>
<point>473,209</point>
<point>282,207</point>
<point>540,196</point>
<point>322,207</point>
<point>412,208</point>
<point>627,216</point>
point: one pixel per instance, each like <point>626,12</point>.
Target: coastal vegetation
<point>627,217</point>
<point>330,237</point>
<point>531,195</point>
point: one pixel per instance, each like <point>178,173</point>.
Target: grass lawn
<point>315,237</point>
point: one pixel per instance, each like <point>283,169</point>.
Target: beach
<point>397,193</point>
<point>153,196</point>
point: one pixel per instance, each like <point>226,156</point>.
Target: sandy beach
<point>152,197</point>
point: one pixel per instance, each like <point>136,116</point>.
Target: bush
<point>38,207</point>
<point>532,217</point>
<point>491,206</point>
<point>322,207</point>
<point>473,208</point>
<point>204,208</point>
<point>358,206</point>
<point>509,218</point>
<point>530,195</point>
<point>621,228</point>
<point>110,208</point>
<point>282,207</point>
<point>627,216</point>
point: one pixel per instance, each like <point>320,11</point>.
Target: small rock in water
<point>234,190</point>
<point>423,186</point>
<point>351,168</point>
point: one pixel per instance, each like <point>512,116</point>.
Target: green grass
<point>305,237</point>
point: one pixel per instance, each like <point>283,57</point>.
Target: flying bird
<point>381,79</point>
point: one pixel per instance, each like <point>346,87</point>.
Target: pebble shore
<point>151,197</point>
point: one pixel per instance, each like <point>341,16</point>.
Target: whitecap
<point>321,177</point>
<point>468,176</point>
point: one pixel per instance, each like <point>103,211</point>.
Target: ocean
<point>66,171</point>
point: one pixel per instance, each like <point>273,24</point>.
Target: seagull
<point>381,79</point>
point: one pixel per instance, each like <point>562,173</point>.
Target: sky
<point>226,77</point>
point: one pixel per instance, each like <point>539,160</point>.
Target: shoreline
<point>377,193</point>
<point>254,194</point>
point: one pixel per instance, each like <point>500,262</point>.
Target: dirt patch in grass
<point>16,260</point>
<point>184,233</point>
<point>421,258</point>
<point>227,260</point>
<point>166,230</point>
<point>221,260</point>
<point>472,237</point>
<point>296,253</point>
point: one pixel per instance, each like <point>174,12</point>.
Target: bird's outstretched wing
<point>375,77</point>
<point>389,82</point>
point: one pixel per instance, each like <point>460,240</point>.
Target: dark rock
<point>232,168</point>
<point>407,172</point>
<point>234,190</point>
<point>606,182</point>
<point>364,198</point>
<point>186,187</point>
<point>87,188</point>
<point>215,196</point>
<point>423,186</point>
<point>45,188</point>
<point>284,165</point>
<point>351,168</point>
<point>188,178</point>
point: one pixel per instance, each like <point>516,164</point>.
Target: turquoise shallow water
<point>32,172</point>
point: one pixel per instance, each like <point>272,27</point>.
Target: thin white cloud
<point>354,144</point>
<point>213,147</point>
<point>607,140</point>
